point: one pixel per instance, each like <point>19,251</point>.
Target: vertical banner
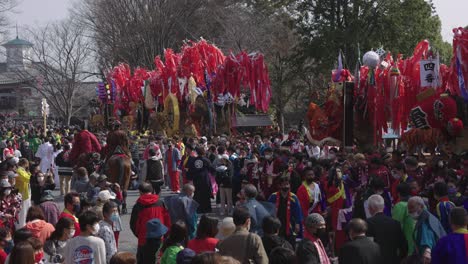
<point>429,70</point>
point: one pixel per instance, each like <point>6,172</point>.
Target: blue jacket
<point>295,214</point>
<point>257,214</point>
<point>427,232</point>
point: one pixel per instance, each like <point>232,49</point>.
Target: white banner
<point>429,72</point>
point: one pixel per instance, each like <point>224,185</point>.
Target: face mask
<point>7,192</point>
<point>8,246</point>
<point>95,229</point>
<point>396,176</point>
<point>115,217</point>
<point>452,190</point>
<point>76,208</point>
<point>414,215</point>
<point>339,174</point>
<point>379,192</point>
<point>71,234</point>
<point>40,179</point>
<point>309,181</point>
<point>38,257</point>
<point>285,189</point>
<point>321,232</point>
<point>268,157</point>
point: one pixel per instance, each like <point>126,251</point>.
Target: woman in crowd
<point>206,232</point>
<point>109,211</point>
<point>176,241</point>
<point>10,204</point>
<point>55,245</point>
<point>36,224</point>
<point>22,184</point>
<point>23,253</point>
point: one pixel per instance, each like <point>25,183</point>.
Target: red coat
<point>84,142</point>
<point>147,207</point>
<point>304,200</point>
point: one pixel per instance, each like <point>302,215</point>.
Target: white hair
<point>376,201</point>
<point>418,200</point>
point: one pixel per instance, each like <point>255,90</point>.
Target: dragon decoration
<point>394,91</point>
<point>194,80</point>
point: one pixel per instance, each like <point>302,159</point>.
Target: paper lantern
<point>371,59</point>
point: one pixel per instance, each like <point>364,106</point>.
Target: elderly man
<point>386,232</point>
<point>360,249</point>
<point>454,247</point>
<point>428,229</point>
<point>184,208</point>
<point>311,249</point>
<point>257,210</point>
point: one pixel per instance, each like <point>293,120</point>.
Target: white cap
<point>105,196</point>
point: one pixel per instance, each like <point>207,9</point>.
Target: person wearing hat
<point>155,230</point>
<point>311,248</point>
<point>49,207</point>
<point>103,197</point>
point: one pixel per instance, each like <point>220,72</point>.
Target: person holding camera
<point>39,183</point>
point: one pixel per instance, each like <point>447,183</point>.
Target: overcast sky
<point>453,13</point>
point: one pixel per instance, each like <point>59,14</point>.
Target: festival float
<point>194,92</point>
<point>418,98</point>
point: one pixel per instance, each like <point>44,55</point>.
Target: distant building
<point>20,82</point>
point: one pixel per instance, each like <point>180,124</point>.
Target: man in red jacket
<point>147,207</point>
<point>72,208</point>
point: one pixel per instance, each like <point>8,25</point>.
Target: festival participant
<point>288,211</point>
<point>379,170</point>
<point>270,170</point>
<point>243,245</point>
<point>226,228</point>
<point>23,252</point>
<point>55,245</point>
<point>39,183</point>
<point>147,207</point>
<point>45,152</point>
<point>8,150</point>
<point>444,205</point>
<point>184,208</point>
<point>6,244</point>
<point>309,193</point>
<point>71,210</point>
<point>360,249</point>
<point>453,248</point>
<point>86,247</point>
<point>362,169</point>
<point>171,162</point>
<point>399,176</point>
<point>271,239</point>
<point>414,170</point>
<point>337,198</point>
<point>428,229</point>
<point>104,197</point>
<point>154,236</point>
<point>199,169</point>
<point>386,232</point>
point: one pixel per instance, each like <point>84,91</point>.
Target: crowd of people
<point>278,199</point>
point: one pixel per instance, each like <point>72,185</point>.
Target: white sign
<point>429,73</point>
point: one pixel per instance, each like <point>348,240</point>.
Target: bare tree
<point>6,7</point>
<point>61,60</point>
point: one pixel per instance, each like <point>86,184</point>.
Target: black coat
<point>361,250</point>
<point>388,234</point>
<point>307,253</point>
<point>154,170</point>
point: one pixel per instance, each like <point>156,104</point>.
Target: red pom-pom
<point>455,127</point>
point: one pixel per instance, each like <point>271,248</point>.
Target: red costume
<point>309,200</point>
<point>84,142</point>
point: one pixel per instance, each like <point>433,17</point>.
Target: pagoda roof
<point>17,42</point>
